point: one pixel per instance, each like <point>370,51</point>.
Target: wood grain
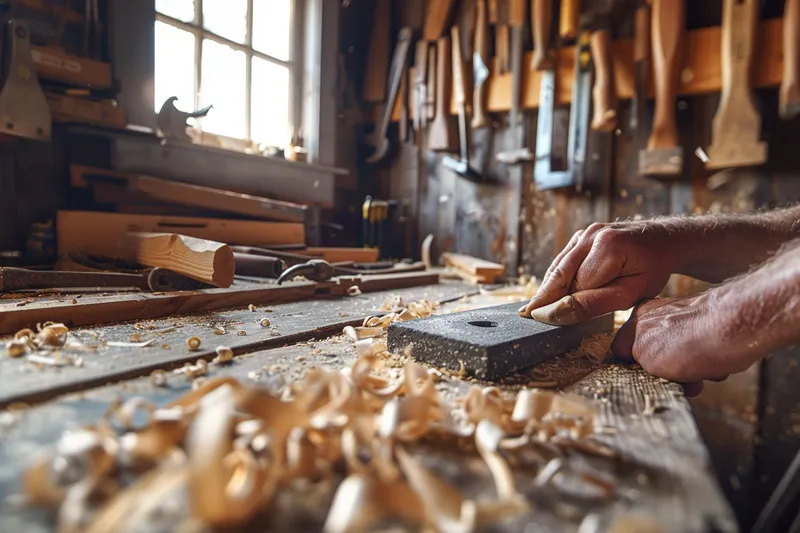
<point>207,261</point>
<point>436,18</point>
<point>482,270</point>
<point>100,232</point>
<point>377,67</point>
<point>789,104</point>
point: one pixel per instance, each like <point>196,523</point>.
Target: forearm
<point>760,311</point>
<point>717,247</point>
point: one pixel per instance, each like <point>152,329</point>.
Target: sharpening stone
<point>492,342</point>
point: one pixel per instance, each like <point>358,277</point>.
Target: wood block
<point>100,232</point>
<point>72,109</point>
<point>492,342</point>
<point>479,269</point>
<point>208,261</point>
<point>53,63</point>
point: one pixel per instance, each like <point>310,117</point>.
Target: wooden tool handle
<point>541,21</point>
<point>739,20</point>
<point>641,37</point>
<point>436,18</point>
<point>568,19</point>
<point>479,114</point>
<point>442,76</point>
<point>516,12</point>
<point>667,22</point>
<point>430,97</point>
<point>790,85</point>
<point>378,54</point>
<point>604,92</point>
<point>459,91</point>
<point>493,11</point>
<point>208,261</point>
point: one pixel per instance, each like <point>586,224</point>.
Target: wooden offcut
<point>476,269</point>
<point>100,232</point>
<point>201,259</point>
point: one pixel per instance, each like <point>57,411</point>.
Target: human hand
<point>605,268</point>
<point>686,340</point>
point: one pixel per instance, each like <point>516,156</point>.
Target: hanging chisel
<point>520,151</point>
<point>501,50</point>
<point>604,93</point>
<point>440,136</point>
<point>480,68</point>
<point>789,98</point>
<point>641,67</point>
<point>541,21</point>
<point>663,156</point>
<point>736,129</point>
<point>568,20</point>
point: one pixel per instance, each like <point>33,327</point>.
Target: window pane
<point>227,18</point>
<point>272,22</point>
<point>179,9</point>
<point>269,119</point>
<point>223,85</point>
<point>174,70</point>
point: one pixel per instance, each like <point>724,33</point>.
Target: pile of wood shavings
<point>45,346</point>
<point>221,454</point>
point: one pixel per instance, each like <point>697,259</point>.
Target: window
<point>237,55</point>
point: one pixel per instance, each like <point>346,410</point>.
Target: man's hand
<point>607,267</point>
<point>683,340</point>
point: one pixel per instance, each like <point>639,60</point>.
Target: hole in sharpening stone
<point>483,323</point>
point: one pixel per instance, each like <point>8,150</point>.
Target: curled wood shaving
<point>265,322</point>
<point>16,348</point>
<point>193,344</point>
<point>230,448</point>
<point>354,291</point>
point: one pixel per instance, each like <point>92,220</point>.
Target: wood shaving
<point>242,333</point>
<point>265,322</point>
<point>122,344</point>
<point>193,344</point>
<point>158,378</point>
<point>354,291</point>
<point>16,348</point>
<point>252,308</point>
<point>224,355</point>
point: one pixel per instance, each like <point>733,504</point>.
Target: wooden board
<point>664,474</point>
<point>80,310</point>
<point>701,69</point>
<point>290,322</point>
<point>193,195</point>
<point>97,231</point>
<point>82,110</point>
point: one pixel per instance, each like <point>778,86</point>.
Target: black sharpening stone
<point>493,342</point>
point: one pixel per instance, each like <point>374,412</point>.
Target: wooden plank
<point>102,309</point>
<point>290,322</point>
<point>701,72</point>
<point>201,259</point>
<point>473,265</point>
<point>194,195</point>
<point>82,110</point>
<point>89,230</point>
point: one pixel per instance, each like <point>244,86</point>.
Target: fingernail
<point>560,313</point>
<point>523,312</point>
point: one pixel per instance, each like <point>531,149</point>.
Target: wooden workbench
<point>665,472</point>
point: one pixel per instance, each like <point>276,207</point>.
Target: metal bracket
<point>24,111</point>
<point>577,141</point>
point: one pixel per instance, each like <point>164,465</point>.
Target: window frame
<point>294,64</point>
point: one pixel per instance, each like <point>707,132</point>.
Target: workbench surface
<point>664,474</point>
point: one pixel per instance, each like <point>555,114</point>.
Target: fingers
<point>584,305</point>
<point>693,388</point>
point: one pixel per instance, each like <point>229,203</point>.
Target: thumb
<point>584,305</point>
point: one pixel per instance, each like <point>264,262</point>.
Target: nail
<point>523,311</point>
<point>560,313</point>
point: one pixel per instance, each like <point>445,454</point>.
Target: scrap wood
<point>474,269</point>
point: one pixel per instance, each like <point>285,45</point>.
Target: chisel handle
<point>479,115</point>
<point>667,31</point>
<point>568,19</point>
<point>790,85</point>
<point>604,92</point>
<point>541,21</point>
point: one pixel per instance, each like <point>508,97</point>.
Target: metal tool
<point>460,166</point>
<point>789,96</point>
<point>399,61</point>
<point>520,153</point>
<point>258,266</point>
<point>663,157</point>
<point>24,111</point>
<point>736,129</point>
<point>641,66</point>
<point>420,89</point>
<point>321,270</point>
<point>577,138</point>
<point>491,342</point>
<point>171,121</point>
<point>155,279</point>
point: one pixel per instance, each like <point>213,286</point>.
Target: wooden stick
<point>208,261</point>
